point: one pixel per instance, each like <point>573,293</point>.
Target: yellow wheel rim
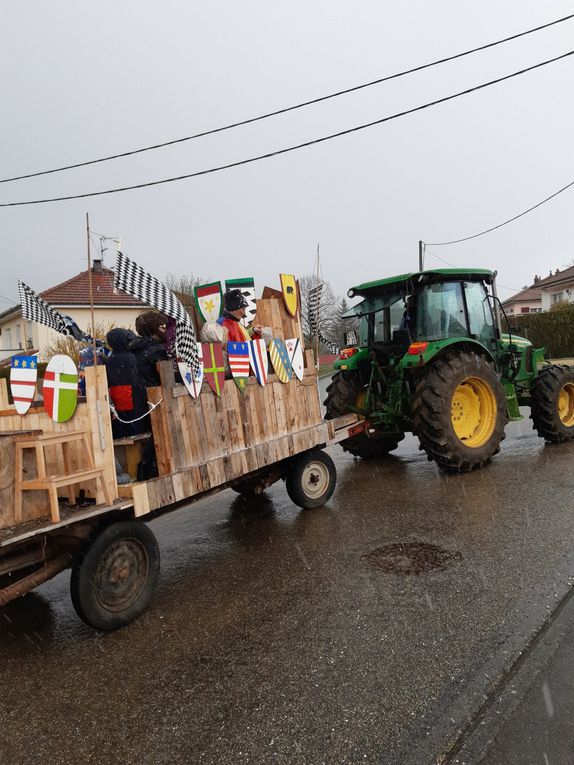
<point>473,411</point>
<point>566,404</point>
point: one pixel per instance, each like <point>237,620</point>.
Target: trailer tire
<point>115,577</point>
<point>552,405</point>
<point>311,480</point>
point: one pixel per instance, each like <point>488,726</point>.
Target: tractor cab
<point>429,308</point>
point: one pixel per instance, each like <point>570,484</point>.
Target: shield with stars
<point>208,301</point>
<point>280,360</point>
<point>290,293</point>
<point>192,382</point>
<point>238,357</point>
<point>247,288</point>
<point>258,359</point>
<point>23,376</point>
<point>295,353</point>
<point>213,366</point>
<point>60,388</point>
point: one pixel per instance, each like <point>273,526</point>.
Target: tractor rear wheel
<point>345,391</point>
<point>552,407</point>
<point>459,411</point>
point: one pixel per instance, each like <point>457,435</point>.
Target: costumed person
<point>149,347</point>
<point>127,392</point>
<point>234,305</point>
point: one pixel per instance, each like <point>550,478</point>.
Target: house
<point>558,287</point>
<point>528,300</point>
<point>72,298</point>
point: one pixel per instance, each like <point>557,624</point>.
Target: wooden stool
<point>51,483</point>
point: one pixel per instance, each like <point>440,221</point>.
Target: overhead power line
<point>286,109</point>
<point>504,223</point>
<point>278,152</point>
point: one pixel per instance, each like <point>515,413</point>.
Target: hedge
<point>553,330</point>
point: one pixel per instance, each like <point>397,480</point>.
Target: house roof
<point>526,295</point>
<point>557,278</point>
<point>76,291</point>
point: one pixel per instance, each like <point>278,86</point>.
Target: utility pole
<point>421,257</point>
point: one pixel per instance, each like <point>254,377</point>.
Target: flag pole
<point>317,279</point>
<point>92,319</point>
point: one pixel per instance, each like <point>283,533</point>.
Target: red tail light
<point>415,349</point>
<point>346,353</point>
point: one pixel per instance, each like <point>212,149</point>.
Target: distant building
<point>528,300</point>
<point>72,298</point>
<point>558,287</point>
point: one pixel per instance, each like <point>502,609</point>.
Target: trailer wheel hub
<point>121,575</point>
<point>315,479</point>
<point>473,411</point>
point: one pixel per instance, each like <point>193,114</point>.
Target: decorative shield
<point>280,360</point>
<point>213,366</point>
<point>295,353</point>
<point>192,382</point>
<point>258,359</point>
<point>290,293</point>
<point>23,375</point>
<point>208,300</point>
<point>238,357</point>
<point>60,388</point>
<point>247,289</point>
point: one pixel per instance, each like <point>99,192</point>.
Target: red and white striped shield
<point>259,360</point>
<point>23,376</point>
<point>238,357</point>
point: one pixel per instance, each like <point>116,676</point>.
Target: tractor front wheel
<point>552,407</point>
<point>459,411</point>
<point>344,391</point>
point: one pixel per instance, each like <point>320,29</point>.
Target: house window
<point>525,309</point>
<point>557,297</point>
<point>7,337</point>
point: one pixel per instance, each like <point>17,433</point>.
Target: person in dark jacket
<point>127,392</point>
<point>149,347</point>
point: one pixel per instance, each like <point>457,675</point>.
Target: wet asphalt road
<point>274,637</point>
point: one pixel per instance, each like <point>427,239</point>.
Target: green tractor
<point>431,359</point>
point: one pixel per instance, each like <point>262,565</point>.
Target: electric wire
<point>287,109</point>
<point>289,149</point>
<point>504,223</point>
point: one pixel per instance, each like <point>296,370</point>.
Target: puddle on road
<point>407,558</point>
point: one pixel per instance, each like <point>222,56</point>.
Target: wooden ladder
<point>51,483</point>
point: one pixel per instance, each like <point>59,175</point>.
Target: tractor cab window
<point>440,312</point>
<point>388,321</point>
<point>479,312</point>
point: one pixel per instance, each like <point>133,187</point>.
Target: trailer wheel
<point>311,480</point>
<point>112,583</point>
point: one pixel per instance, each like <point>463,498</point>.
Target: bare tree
<point>319,320</point>
<point>184,284</point>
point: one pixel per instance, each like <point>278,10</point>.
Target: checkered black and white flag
<point>332,347</point>
<point>132,279</point>
<point>313,302</point>
<point>35,308</point>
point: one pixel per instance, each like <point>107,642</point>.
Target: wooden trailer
<point>61,507</point>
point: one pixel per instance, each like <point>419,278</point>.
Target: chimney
<point>98,266</point>
<point>536,278</point>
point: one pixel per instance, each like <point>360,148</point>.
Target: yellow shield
<point>290,293</point>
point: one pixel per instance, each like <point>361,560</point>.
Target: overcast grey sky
<point>82,80</point>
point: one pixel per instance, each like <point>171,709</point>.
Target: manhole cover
<point>411,558</point>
